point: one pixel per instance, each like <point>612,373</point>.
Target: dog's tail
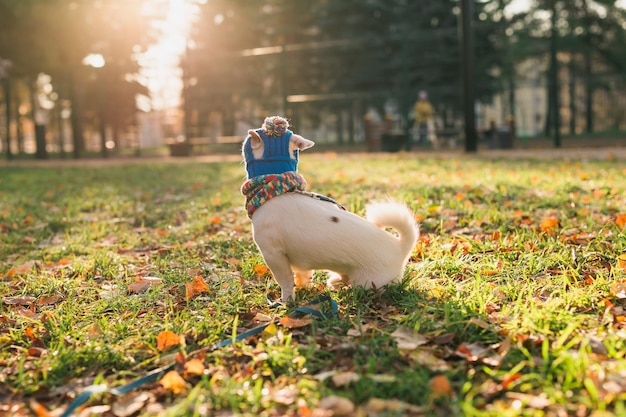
<point>398,216</point>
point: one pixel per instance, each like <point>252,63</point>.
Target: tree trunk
<point>76,120</point>
<point>553,83</point>
<point>572,98</point>
<point>40,128</point>
<point>588,71</point>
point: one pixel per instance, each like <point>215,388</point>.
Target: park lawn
<point>513,302</point>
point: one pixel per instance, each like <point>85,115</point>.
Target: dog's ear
<point>255,139</point>
<point>301,143</point>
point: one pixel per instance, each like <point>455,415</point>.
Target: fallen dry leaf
<point>172,381</point>
<point>51,300</point>
<point>195,287</point>
<point>440,386</point>
<point>376,406</point>
<point>39,409</point>
<point>271,329</point>
<point>532,401</point>
<point>341,379</point>
<point>618,289</point>
<point>473,352</point>
<point>141,284</point>
<point>429,360</point>
<point>166,340</point>
<point>620,220</point>
<point>24,300</point>
<point>194,367</point>
<point>408,339</point>
<point>262,317</point>
<point>340,406</point>
<point>130,404</point>
<point>621,262</point>
<point>260,270</point>
<point>293,323</point>
<point>286,395</point>
<point>549,224</point>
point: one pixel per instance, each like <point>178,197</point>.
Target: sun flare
<point>160,64</point>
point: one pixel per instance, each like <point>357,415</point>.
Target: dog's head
<point>273,149</point>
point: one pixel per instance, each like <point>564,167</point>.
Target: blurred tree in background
<point>54,37</point>
<point>334,52</point>
<point>320,62</point>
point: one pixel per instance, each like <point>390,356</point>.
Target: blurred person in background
<point>423,115</point>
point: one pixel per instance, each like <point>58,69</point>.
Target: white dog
<point>298,232</point>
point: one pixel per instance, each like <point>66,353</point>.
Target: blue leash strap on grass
<point>241,336</point>
<point>154,375</point>
<point>299,311</point>
<point>97,389</point>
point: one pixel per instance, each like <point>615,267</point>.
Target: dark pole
<point>554,82</point>
<point>6,84</point>
<point>467,45</point>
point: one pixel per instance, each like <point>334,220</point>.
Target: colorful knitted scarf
<point>262,188</point>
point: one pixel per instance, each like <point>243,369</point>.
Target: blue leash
<point>156,374</point>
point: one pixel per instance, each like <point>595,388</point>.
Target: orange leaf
<point>598,194</point>
<point>39,409</point>
<point>29,332</point>
<point>292,323</point>
<point>195,287</point>
<point>36,352</point>
<point>508,379</point>
<point>549,224</point>
<point>620,220</point>
<point>10,273</point>
<point>440,386</point>
<point>194,367</point>
<point>166,340</point>
<point>172,381</point>
<point>260,270</point>
<point>215,220</point>
<point>621,261</point>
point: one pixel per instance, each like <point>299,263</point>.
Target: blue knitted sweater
<point>276,156</point>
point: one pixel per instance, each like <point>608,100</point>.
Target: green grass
<point>522,315</point>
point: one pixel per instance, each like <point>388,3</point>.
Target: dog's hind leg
<point>279,265</point>
<point>337,281</point>
<point>302,278</point>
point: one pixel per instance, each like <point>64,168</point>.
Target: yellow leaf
<point>172,381</point>
<point>620,220</point>
<point>271,329</point>
<point>166,340</point>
